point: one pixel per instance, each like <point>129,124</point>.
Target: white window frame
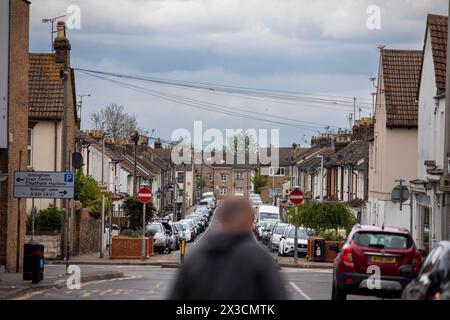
<point>223,191</point>
<point>281,170</point>
<point>210,177</point>
<point>222,175</point>
<point>239,175</point>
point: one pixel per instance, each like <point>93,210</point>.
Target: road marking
<point>300,291</point>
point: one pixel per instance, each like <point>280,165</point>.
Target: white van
<point>267,213</point>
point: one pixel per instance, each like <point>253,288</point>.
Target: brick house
<point>14,46</point>
<point>46,109</point>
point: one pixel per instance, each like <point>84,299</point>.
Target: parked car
<point>287,240</point>
<point>267,232</point>
<point>194,225</point>
<point>211,196</point>
<point>261,226</point>
<point>190,227</point>
<point>198,221</point>
<point>433,280</point>
<point>183,232</point>
<point>389,249</point>
<point>161,242</point>
<point>278,231</point>
<point>172,234</point>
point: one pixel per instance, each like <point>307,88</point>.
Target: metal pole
<point>295,236</point>
<point>143,231</point>
<point>33,219</point>
<point>135,169</point>
<point>354,110</point>
<point>102,222</point>
<point>184,189</point>
<point>201,179</point>
<point>446,144</point>
<point>175,184</point>
<point>321,178</point>
<point>65,203</point>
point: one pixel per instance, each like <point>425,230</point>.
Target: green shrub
<point>49,219</point>
<point>87,191</point>
<point>133,212</point>
<point>131,233</point>
<point>331,235</point>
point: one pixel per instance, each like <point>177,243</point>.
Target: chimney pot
<point>61,29</point>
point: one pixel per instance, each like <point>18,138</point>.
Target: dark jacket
<point>228,266</point>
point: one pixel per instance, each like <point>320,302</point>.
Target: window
<point>239,175</point>
<point>276,172</point>
<point>223,177</point>
<point>223,191</point>
<point>239,190</point>
<point>30,148</point>
<point>210,177</point>
<point>276,192</point>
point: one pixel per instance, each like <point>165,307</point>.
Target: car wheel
<point>338,294</point>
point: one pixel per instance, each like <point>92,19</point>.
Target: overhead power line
<point>310,126</point>
<point>336,100</point>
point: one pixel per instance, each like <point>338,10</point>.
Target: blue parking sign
<point>68,177</point>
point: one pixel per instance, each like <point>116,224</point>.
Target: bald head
<point>236,213</point>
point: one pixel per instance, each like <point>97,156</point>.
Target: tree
<point>259,182</point>
<point>326,215</point>
<point>241,142</point>
<point>134,213</point>
<point>49,219</point>
<point>87,191</point>
<point>113,119</point>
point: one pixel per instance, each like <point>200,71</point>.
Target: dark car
<point>433,280</point>
<point>369,252</point>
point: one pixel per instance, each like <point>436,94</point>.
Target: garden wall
<point>51,244</point>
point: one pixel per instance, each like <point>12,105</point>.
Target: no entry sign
<point>296,196</point>
<point>144,195</point>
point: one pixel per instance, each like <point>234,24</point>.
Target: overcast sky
<point>321,47</point>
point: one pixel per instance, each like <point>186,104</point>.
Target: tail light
<point>417,261</point>
<point>347,255</point>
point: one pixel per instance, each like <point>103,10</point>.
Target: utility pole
<point>64,145</point>
<point>135,139</point>
<point>446,206</point>
<point>102,222</point>
<point>175,195</point>
<point>354,111</point>
<point>80,104</point>
<point>184,189</point>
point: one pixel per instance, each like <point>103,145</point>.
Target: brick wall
<point>130,248</point>
<point>13,212</point>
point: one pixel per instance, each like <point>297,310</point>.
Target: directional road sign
<point>44,185</point>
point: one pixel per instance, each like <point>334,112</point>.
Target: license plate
<point>378,259</point>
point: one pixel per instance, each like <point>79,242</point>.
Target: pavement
<point>12,284</point>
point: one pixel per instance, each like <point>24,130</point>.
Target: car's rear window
<point>383,240</point>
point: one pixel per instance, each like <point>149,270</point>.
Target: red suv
<point>375,261</point>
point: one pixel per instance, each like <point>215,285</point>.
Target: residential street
<point>154,282</point>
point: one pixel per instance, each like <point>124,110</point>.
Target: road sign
<point>144,195</point>
<point>296,196</point>
<point>44,185</point>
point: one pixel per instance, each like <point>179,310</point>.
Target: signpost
<point>44,185</point>
<point>296,197</point>
<point>144,195</point>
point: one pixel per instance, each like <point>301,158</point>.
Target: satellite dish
<point>77,160</point>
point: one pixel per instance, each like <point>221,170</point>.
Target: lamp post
<point>80,104</point>
<point>135,139</point>
<point>321,176</point>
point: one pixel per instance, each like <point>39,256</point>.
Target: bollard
<point>183,249</point>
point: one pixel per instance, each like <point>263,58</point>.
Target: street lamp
<point>321,176</point>
<point>135,139</point>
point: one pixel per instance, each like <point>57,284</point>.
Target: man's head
<point>236,214</point>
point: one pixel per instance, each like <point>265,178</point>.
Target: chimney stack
<point>62,45</point>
